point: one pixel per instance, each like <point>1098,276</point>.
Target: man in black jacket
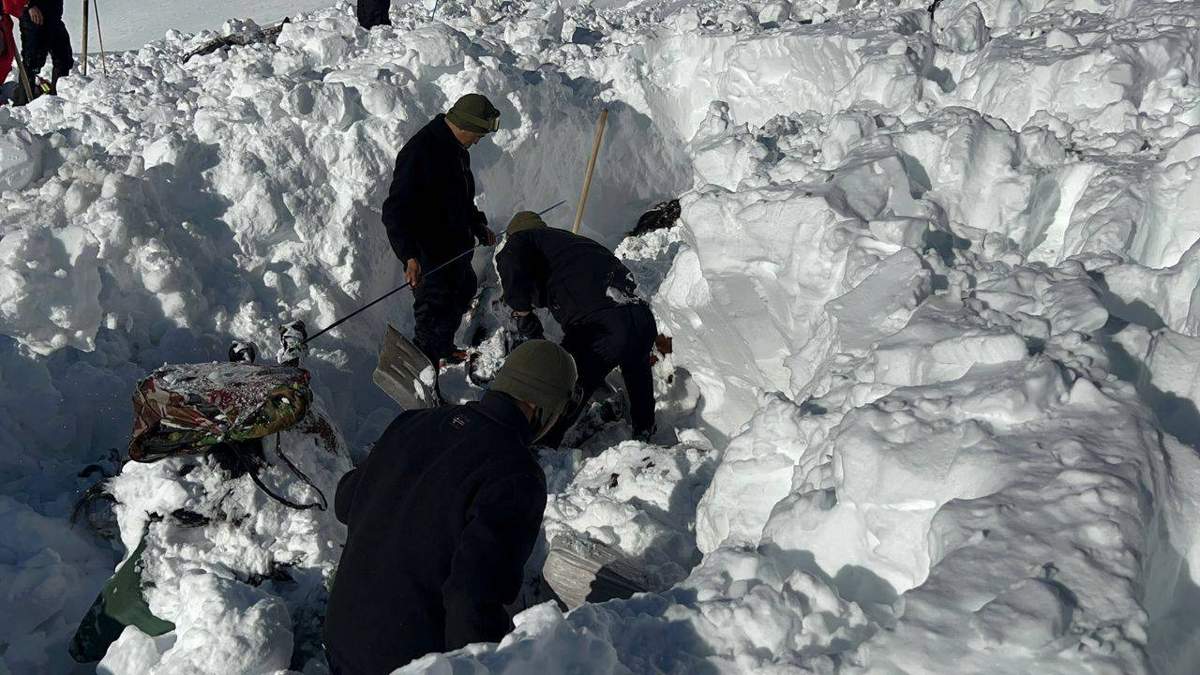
<point>430,216</point>
<point>591,295</point>
<point>43,34</point>
<point>442,516</point>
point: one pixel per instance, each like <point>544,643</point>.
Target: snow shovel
<point>404,372</point>
<point>580,570</point>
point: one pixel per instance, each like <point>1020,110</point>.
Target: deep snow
<point>932,406</point>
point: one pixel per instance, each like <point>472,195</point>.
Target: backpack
<point>223,408</point>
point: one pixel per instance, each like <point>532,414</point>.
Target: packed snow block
<point>50,288</point>
<point>1154,297</point>
<point>1174,365</point>
<point>324,43</point>
<point>970,166</point>
<point>1097,87</point>
<point>754,473</point>
<point>959,27</point>
<point>20,158</point>
<point>1032,614</point>
<point>795,68</point>
<point>225,626</point>
<point>640,500</point>
<point>941,344</point>
<point>882,304</point>
<point>725,155</point>
<point>1065,298</point>
<point>763,264</point>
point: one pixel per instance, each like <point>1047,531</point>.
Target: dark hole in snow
<point>188,518</point>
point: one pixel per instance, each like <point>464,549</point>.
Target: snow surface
<point>932,405</point>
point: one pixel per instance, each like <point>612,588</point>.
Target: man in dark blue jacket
<point>430,216</point>
<point>43,34</point>
<point>591,295</point>
<point>441,518</point>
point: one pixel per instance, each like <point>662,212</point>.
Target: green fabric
<point>525,220</point>
<point>474,112</point>
<point>538,372</point>
<point>120,604</point>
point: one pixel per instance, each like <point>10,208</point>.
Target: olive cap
<point>474,112</point>
<point>525,220</point>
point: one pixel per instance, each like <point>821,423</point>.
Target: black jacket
<point>442,516</point>
<point>430,210</point>
<point>565,272</point>
<point>50,8</point>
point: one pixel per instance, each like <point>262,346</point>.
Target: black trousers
<point>49,39</point>
<point>618,337</point>
<point>440,302</point>
<point>373,13</point>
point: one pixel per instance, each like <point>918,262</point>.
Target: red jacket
<point>8,46</point>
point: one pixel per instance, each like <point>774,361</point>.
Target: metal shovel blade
<point>580,569</point>
<point>399,372</point>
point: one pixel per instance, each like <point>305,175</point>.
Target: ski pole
<point>100,35</point>
<point>85,35</point>
<point>376,301</point>
<point>406,284</point>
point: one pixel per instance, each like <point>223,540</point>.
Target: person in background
<point>441,518</point>
<point>373,13</point>
<point>43,34</point>
<point>431,219</point>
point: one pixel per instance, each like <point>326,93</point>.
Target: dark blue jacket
<point>565,272</point>
<point>442,517</point>
<point>430,209</point>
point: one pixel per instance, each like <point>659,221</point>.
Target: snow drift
<point>932,406</point>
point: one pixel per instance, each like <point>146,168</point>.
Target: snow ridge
<point>932,405</point>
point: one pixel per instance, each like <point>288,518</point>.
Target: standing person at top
<point>43,34</point>
<point>8,45</point>
<point>591,295</point>
<point>373,13</point>
<point>441,518</point>
<point>430,216</point>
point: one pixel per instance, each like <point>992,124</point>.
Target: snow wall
<point>932,401</point>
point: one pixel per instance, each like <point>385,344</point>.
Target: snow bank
<point>932,401</point>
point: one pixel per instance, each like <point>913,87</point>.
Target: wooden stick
<point>591,168</point>
<point>24,76</point>
<point>85,35</point>
<point>100,34</point>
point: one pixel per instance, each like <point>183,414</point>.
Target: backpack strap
<point>252,468</point>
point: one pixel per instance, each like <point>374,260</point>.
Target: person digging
<point>441,518</point>
<point>431,217</point>
<point>591,294</point>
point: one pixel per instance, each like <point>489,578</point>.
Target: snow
<point>932,405</point>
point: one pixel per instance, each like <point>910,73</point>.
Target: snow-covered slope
<point>932,406</point>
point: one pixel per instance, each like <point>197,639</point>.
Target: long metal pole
<point>85,35</point>
<point>591,168</point>
<point>100,35</point>
<point>376,301</point>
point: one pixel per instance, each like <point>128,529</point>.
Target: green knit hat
<point>474,112</point>
<point>539,372</point>
<point>525,220</point>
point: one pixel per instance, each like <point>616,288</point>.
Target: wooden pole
<point>24,76</point>
<point>100,35</point>
<point>591,168</point>
<point>85,9</point>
